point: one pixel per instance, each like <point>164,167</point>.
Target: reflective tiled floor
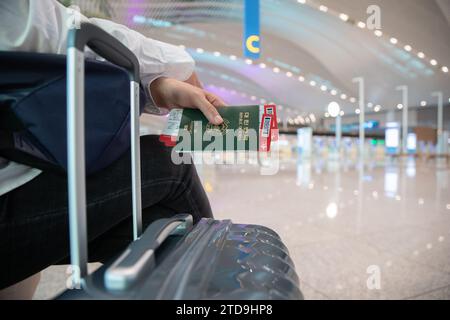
<point>382,232</point>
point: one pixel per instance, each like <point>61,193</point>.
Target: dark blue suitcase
<point>171,259</point>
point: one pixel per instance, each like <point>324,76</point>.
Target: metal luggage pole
<point>114,51</point>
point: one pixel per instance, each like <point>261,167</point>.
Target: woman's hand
<point>194,80</point>
<point>170,93</point>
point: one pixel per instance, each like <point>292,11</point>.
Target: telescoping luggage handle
<point>114,51</point>
<point>139,257</point>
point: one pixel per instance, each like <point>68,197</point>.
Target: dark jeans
<point>34,221</point>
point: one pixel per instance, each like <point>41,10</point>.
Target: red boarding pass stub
<point>169,141</point>
<point>169,135</point>
<point>272,109</point>
<point>265,133</point>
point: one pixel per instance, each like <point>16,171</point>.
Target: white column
<point>390,116</point>
<point>404,90</point>
<point>440,121</point>
<point>362,106</point>
<point>338,132</point>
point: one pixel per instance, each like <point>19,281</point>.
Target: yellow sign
<point>250,44</point>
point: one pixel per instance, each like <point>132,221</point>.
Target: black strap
<point>8,120</point>
<point>8,151</point>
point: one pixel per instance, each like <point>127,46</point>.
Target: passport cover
<point>244,121</point>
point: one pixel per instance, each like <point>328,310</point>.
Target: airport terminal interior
<point>361,196</point>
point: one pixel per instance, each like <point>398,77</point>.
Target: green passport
<point>238,132</point>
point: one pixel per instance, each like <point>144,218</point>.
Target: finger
<point>209,111</point>
<point>216,101</point>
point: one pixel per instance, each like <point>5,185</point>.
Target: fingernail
<point>218,119</point>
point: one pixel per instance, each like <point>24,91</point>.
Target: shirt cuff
<point>150,105</point>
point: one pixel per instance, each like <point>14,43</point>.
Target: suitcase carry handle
<point>104,45</point>
<point>113,50</point>
<point>139,258</point>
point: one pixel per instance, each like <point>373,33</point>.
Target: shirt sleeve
<point>156,58</point>
<point>41,26</point>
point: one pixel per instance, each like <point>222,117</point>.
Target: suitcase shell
<point>172,259</point>
<point>214,260</point>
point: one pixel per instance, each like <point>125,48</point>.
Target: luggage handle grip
<point>105,45</point>
<point>110,48</point>
<point>140,255</point>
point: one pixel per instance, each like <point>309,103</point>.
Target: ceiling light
<point>357,111</point>
<point>276,70</point>
<point>361,25</point>
<point>248,61</point>
<point>312,83</point>
<point>323,88</point>
<point>289,74</point>
<point>342,113</point>
<point>433,62</point>
<point>352,100</point>
<point>216,53</point>
<point>233,57</point>
<point>423,103</point>
<point>333,92</point>
<point>200,50</point>
<point>323,8</point>
<point>343,17</point>
<point>262,65</point>
<point>377,108</point>
<point>301,78</point>
<point>301,1</point>
<point>421,55</point>
<point>334,109</point>
<point>378,33</point>
<point>445,69</point>
<point>370,105</point>
<point>343,96</point>
<point>399,106</point>
<point>394,40</point>
<point>408,48</point>
<point>327,114</point>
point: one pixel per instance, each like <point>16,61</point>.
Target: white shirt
<point>41,26</point>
